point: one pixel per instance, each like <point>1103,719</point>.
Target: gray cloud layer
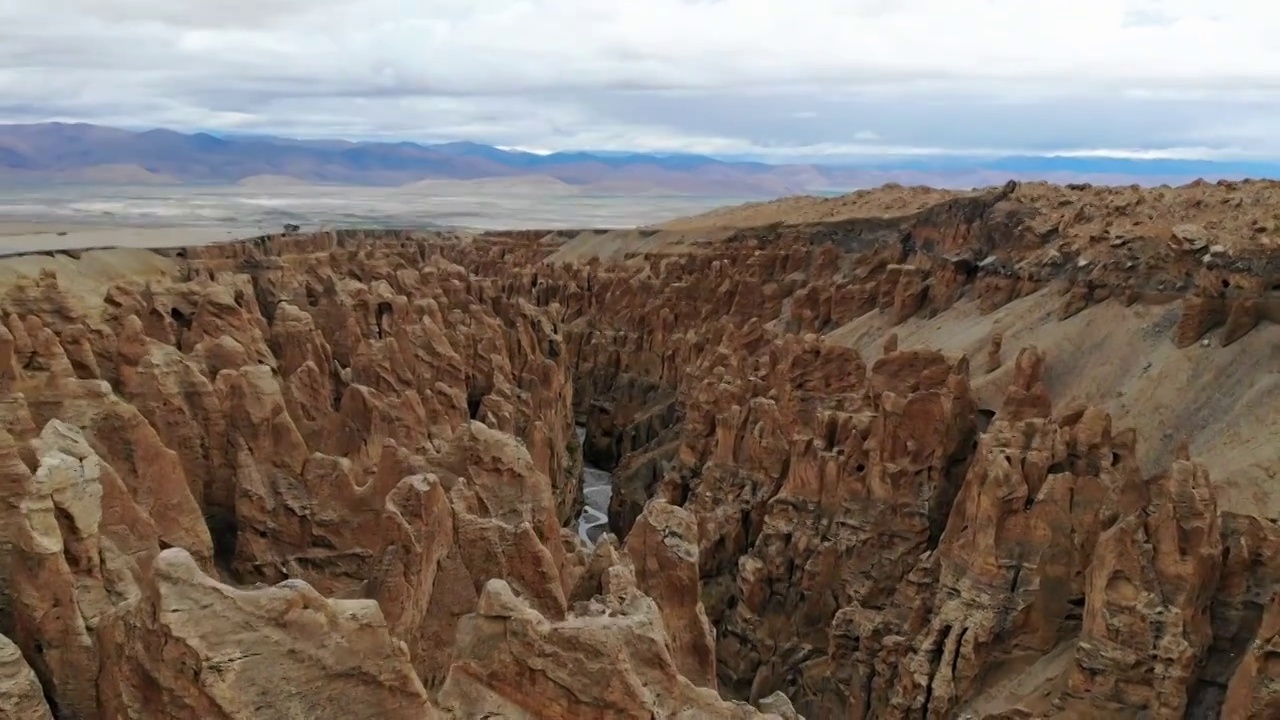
<point>1187,78</point>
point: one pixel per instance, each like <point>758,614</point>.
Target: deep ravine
<point>597,488</point>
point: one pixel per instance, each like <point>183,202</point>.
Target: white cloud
<point>759,76</point>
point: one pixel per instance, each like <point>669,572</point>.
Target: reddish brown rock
<point>1077,300</point>
<point>890,344</point>
<point>1146,622</point>
<point>611,662</point>
<point>391,416</point>
<point>1027,397</point>
<point>1255,688</point>
<point>663,546</point>
<point>1242,316</point>
<point>994,360</point>
<point>68,576</point>
<point>1199,316</point>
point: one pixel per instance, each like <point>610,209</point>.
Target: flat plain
<point>95,216</point>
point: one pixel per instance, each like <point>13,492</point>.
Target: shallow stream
<point>597,488</point>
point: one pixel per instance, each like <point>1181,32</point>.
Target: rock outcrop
<point>610,661</point>
<point>1255,688</point>
<point>194,647</point>
<point>21,697</point>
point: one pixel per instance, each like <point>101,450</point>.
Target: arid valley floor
<point>905,453</point>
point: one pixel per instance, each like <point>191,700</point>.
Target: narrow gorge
<point>998,455</point>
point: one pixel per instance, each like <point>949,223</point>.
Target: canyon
<point>902,454</point>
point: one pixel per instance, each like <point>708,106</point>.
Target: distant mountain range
<point>48,153</point>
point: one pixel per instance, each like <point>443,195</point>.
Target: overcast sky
<point>784,78</point>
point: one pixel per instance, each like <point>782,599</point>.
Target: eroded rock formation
<point>21,697</point>
<point>275,490</point>
<point>337,475</point>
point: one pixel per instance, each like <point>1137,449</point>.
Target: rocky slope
<point>336,475</point>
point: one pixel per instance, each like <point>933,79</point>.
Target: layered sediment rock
<point>610,661</point>
<point>21,697</point>
<point>194,647</point>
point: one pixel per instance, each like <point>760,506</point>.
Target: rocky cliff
<point>336,475</point>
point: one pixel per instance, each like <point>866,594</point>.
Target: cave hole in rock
<point>73,550</point>
<point>339,386</point>
<point>180,318</point>
<point>1204,700</point>
<point>384,309</point>
<point>984,419</point>
<point>935,661</point>
<point>81,369</point>
<point>833,431</point>
<point>223,529</point>
<point>54,707</point>
<point>1122,591</point>
<point>475,396</point>
<point>1075,609</point>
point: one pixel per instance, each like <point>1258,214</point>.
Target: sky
<point>774,79</point>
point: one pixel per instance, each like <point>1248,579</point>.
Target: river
<point>597,488</point>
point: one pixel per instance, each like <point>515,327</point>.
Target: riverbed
<point>597,489</point>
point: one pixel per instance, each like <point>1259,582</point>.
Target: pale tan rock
<point>68,578</point>
<point>125,440</point>
<point>420,535</point>
<point>172,391</point>
<point>610,663</point>
<point>1027,396</point>
<point>224,311</point>
<point>198,648</point>
<point>21,697</point>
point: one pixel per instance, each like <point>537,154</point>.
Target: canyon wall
<point>312,478</point>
